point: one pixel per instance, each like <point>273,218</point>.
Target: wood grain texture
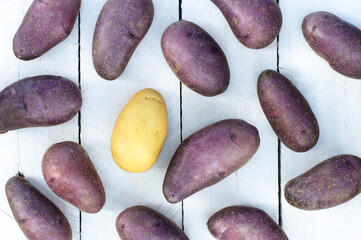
<point>22,150</point>
<point>104,100</point>
<point>256,183</point>
<point>335,101</point>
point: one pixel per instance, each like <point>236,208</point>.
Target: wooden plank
<point>103,101</point>
<point>256,184</point>
<point>23,150</point>
<point>334,100</point>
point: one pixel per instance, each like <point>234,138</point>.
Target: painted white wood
<point>22,150</point>
<point>256,184</point>
<point>335,101</point>
<point>103,101</point>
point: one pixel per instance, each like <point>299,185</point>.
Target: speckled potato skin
<point>244,223</point>
<point>71,175</point>
<point>208,156</point>
<point>328,184</point>
<point>287,111</point>
<point>46,23</point>
<point>38,101</point>
<point>143,223</point>
<point>336,41</point>
<point>37,216</point>
<point>255,23</point>
<point>195,58</point>
<point>121,26</point>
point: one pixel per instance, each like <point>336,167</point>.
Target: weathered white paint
<point>334,99</point>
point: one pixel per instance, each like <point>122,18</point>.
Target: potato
<point>287,111</point>
<point>46,23</point>
<point>38,101</point>
<point>140,131</point>
<point>36,215</point>
<point>208,156</point>
<point>255,24</point>
<point>195,58</point>
<point>336,41</point>
<point>328,184</point>
<point>143,223</point>
<point>71,175</point>
<point>244,223</point>
<point>121,26</point>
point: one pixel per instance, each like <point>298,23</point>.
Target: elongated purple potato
<point>143,223</point>
<point>38,101</point>
<point>244,223</point>
<point>36,215</point>
<point>121,26</point>
<point>71,175</point>
<point>255,23</point>
<point>328,184</point>
<point>195,58</point>
<point>46,23</point>
<point>336,41</point>
<point>208,156</point>
<point>287,111</point>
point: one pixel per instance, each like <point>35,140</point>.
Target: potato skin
<point>195,58</point>
<point>140,131</point>
<point>287,111</point>
<point>255,24</point>
<point>36,215</point>
<point>38,101</point>
<point>121,26</point>
<point>143,223</point>
<point>208,156</point>
<point>328,184</point>
<point>244,223</point>
<point>46,23</point>
<point>71,175</point>
<point>336,41</point>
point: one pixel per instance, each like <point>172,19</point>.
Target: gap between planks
<point>79,114</point>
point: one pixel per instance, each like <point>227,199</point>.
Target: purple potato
<point>328,184</point>
<point>36,215</point>
<point>336,41</point>
<point>244,223</point>
<point>195,58</point>
<point>46,23</point>
<point>121,26</point>
<point>38,101</point>
<point>71,175</point>
<point>255,24</point>
<point>143,223</point>
<point>208,156</point>
<point>287,111</point>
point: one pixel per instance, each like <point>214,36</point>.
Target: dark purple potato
<point>36,215</point>
<point>336,41</point>
<point>195,58</point>
<point>46,23</point>
<point>255,23</point>
<point>38,101</point>
<point>328,184</point>
<point>287,111</point>
<point>244,223</point>
<point>143,223</point>
<point>121,26</point>
<point>208,156</point>
<point>71,175</point>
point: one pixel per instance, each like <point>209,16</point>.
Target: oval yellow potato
<point>140,131</point>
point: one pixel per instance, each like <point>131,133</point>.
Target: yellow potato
<point>140,131</point>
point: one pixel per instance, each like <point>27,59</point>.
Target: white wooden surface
<point>335,100</point>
